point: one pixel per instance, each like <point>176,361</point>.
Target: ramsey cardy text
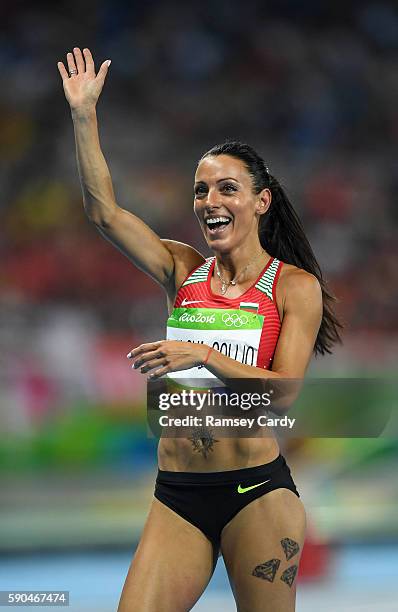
<point>212,421</point>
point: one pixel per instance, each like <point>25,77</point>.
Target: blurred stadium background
<point>314,86</point>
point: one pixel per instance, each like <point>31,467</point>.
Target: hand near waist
<point>167,356</point>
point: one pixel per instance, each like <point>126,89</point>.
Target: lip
<point>219,231</point>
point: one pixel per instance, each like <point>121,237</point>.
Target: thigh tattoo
<point>289,575</point>
<point>290,548</point>
<point>269,569</point>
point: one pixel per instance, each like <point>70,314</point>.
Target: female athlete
<point>234,496</point>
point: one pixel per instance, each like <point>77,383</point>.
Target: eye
<point>228,187</point>
<point>200,190</point>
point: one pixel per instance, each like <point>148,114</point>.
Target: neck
<point>233,263</point>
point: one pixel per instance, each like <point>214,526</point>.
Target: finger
<point>79,60</point>
<point>62,71</point>
<point>154,363</point>
<point>90,67</point>
<point>147,357</point>
<point>71,63</point>
<point>159,373</point>
<point>103,71</point>
<point>143,348</point>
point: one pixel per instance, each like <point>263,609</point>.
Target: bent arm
<point>302,315</point>
<point>301,298</point>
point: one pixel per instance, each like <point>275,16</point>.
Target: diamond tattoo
<point>267,570</point>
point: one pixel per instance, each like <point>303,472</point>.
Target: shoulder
<point>297,280</point>
<point>298,288</point>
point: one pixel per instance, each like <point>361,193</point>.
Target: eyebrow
<point>227,178</point>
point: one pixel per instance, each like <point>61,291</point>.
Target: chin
<point>219,246</point>
<point>219,243</point>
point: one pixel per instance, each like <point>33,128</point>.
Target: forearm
<point>283,389</point>
<point>96,183</point>
<point>225,368</point>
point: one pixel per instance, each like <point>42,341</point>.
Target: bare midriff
<point>215,454</point>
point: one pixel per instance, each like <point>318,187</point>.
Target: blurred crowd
<point>312,85</point>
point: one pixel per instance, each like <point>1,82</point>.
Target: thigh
<point>172,565</point>
<point>261,547</point>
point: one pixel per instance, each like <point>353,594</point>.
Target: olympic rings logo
<point>234,320</point>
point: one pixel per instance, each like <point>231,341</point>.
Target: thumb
<point>103,71</point>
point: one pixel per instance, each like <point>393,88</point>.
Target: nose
<point>212,199</point>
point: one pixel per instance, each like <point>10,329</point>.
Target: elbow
<point>100,216</point>
<point>284,393</point>
<point>281,405</point>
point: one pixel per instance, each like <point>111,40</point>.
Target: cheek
<point>196,208</point>
<point>244,210</point>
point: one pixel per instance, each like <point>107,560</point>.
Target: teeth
<point>217,220</point>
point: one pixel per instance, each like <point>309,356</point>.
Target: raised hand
<point>82,86</point>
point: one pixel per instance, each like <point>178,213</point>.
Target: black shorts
<point>209,500</point>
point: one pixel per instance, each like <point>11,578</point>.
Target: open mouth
<point>216,225</point>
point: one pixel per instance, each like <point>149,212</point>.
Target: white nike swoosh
<point>186,302</point>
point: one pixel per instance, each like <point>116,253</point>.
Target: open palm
<point>82,86</point>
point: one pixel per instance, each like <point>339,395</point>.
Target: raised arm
<point>123,229</point>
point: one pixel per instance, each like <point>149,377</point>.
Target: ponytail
<point>282,235</point>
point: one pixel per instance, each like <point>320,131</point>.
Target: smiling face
<point>225,204</point>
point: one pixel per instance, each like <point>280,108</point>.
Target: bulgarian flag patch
<point>250,306</point>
